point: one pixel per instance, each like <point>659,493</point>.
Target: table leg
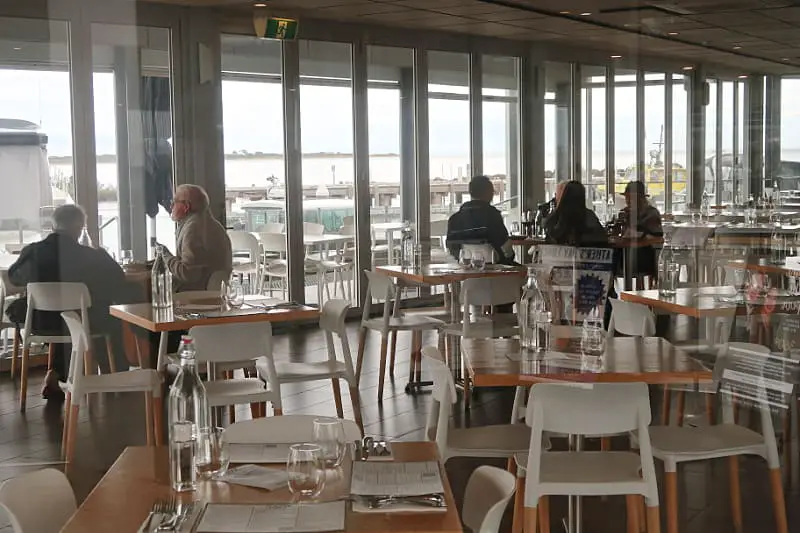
<point>390,246</point>
<point>162,351</point>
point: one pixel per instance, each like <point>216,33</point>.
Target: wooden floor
<point>117,421</point>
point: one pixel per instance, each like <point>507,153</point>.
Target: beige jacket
<point>203,247</point>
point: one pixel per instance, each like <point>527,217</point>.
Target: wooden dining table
<point>652,360</point>
<point>140,477</point>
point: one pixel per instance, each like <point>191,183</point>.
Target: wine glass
<point>329,435</point>
<point>212,456</point>
<point>478,261</point>
<point>464,258</point>
<point>233,293</point>
<point>125,257</point>
<point>305,470</point>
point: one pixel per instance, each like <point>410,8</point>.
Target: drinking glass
<point>305,469</point>
<point>478,261</point>
<point>212,456</point>
<point>233,293</point>
<point>329,436</point>
<point>125,257</point>
<point>515,228</point>
<point>697,217</point>
<point>464,258</point>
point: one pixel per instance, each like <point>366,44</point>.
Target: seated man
<point>479,222</point>
<point>203,245</point>
<point>59,258</point>
<point>643,220</point>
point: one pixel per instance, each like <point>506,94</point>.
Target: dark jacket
<point>59,258</point>
<point>561,232</point>
<point>479,222</point>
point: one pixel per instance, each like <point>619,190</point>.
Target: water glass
<point>125,257</point>
<point>329,436</point>
<point>464,258</point>
<point>305,470</point>
<point>668,279</point>
<point>478,260</point>
<point>212,456</point>
<point>232,293</point>
<point>697,217</point>
<point>593,341</point>
<point>515,228</point>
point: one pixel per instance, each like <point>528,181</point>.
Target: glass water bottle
<point>668,270</point>
<point>161,278</point>
<point>407,245</point>
<point>188,418</point>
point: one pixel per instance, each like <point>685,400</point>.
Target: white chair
<point>271,227</point>
<point>79,385</point>
<point>596,410</point>
<point>228,346</point>
<point>381,289</point>
<point>9,293</point>
<point>486,497</point>
<point>312,228</point>
<point>439,253</point>
<point>244,242</point>
<point>273,247</point>
<point>332,322</point>
<point>54,297</point>
<point>38,502</point>
<point>674,445</point>
<point>631,319</point>
<point>498,441</point>
<point>282,430</point>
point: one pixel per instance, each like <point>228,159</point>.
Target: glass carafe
<point>535,316</point>
<point>667,269</point>
<point>161,279</point>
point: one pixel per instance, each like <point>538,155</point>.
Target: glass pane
<point>35,128</point>
<point>625,128</point>
<point>593,110</point>
<point>680,143</point>
<point>711,139</point>
<point>729,156</point>
<point>326,136</point>
<point>790,135</point>
<point>448,113</point>
<point>133,136</point>
<point>255,183</point>
<point>654,138</point>
<point>557,120</point>
<point>501,131</point>
<point>743,173</point>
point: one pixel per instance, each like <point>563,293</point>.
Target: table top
<point>652,360</point>
<point>696,302</point>
<point>614,241</point>
<point>789,268</point>
<point>159,320</point>
<point>441,274</point>
<point>140,476</point>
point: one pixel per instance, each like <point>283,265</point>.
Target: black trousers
<point>112,329</point>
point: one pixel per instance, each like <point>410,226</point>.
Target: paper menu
<point>258,453</point>
<point>256,476</point>
<point>273,518</point>
<point>396,478</point>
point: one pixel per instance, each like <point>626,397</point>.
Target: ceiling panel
<point>788,14</point>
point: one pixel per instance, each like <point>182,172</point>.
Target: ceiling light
<point>784,59</point>
<point>260,4</point>
<point>743,77</point>
<point>616,57</point>
<point>17,48</point>
<point>673,33</point>
<point>585,14</point>
<point>737,47</point>
<point>564,12</point>
<point>688,68</point>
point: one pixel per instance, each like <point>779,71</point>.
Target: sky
<point>253,119</point>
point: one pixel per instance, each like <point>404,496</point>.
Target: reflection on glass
<point>557,123</point>
<point>711,139</point>
<point>790,136</point>
<point>593,111</point>
<point>728,158</point>
<point>625,128</point>
<point>654,139</point>
<point>680,143</point>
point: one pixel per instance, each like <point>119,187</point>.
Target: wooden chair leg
<point>51,351</point>
<point>519,507</point>
<point>736,493</point>
<point>112,364</point>
<point>362,340</point>
<point>653,521</point>
<point>15,351</point>
<point>681,407</point>
<point>392,353</point>
<point>544,514</point>
<point>531,514</point>
<point>23,378</point>
<point>710,415</point>
<point>277,411</point>
<point>355,399</point>
<point>605,444</point>
<point>778,503</point>
<point>149,424</point>
<point>158,419</point>
<point>71,434</point>
<point>642,515</point>
<point>632,512</point>
<point>666,406</point>
<point>671,499</point>
<point>337,397</point>
<point>65,432</point>
<point>417,354</point>
<point>382,372</point>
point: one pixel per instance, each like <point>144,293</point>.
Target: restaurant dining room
<point>395,266</point>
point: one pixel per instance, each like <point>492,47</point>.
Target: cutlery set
<point>171,516</point>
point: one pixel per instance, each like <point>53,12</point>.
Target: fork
<point>158,508</point>
<point>170,512</point>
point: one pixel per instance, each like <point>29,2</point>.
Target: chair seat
<point>486,327</point>
<point>565,470</point>
<point>333,265</point>
<point>489,441</point>
<point>308,371</point>
<point>246,268</point>
<point>128,381</point>
<point>706,442</point>
<point>405,323</point>
<point>236,391</point>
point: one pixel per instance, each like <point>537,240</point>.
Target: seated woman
<point>572,223</point>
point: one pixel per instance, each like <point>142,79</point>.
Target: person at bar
<point>572,223</point>
<point>641,219</point>
<point>60,258</point>
<point>479,222</point>
<point>202,245</point>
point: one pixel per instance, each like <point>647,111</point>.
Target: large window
<point>326,124</point>
<point>729,157</point>
<point>742,177</point>
<point>655,173</point>
<point>625,127</point>
<point>35,127</point>
<point>680,142</point>
<point>449,128</point>
<point>790,134</point>
<point>593,121</point>
<point>501,130</point>
<point>557,125</point>
<point>711,140</point>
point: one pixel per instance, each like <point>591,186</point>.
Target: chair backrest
<point>491,291</point>
<point>80,342</point>
<point>200,297</point>
<point>311,228</point>
<point>381,289</point>
<point>272,227</point>
<point>273,242</point>
<point>216,279</point>
<point>333,315</point>
<point>283,429</point>
<point>444,395</point>
<point>233,342</point>
<point>486,497</point>
<point>244,241</point>
<point>58,297</point>
<point>439,228</point>
<point>631,319</point>
<point>8,287</point>
<point>23,498</point>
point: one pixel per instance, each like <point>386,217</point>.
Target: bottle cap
<point>186,339</point>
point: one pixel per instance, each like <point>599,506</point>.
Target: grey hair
<point>69,217</point>
<point>198,197</point>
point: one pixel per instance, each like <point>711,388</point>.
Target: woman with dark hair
<point>572,223</point>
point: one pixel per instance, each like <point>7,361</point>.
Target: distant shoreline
<point>112,158</point>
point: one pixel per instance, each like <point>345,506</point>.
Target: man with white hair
<point>202,245</point>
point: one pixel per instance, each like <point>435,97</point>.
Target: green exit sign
<point>280,28</point>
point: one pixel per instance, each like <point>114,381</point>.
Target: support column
<point>407,164</point>
<point>736,195</point>
<point>423,184</point>
<point>575,123</point>
<point>754,141</point>
<point>121,64</point>
<point>698,98</point>
<point>563,132</point>
<point>718,184</point>
<point>640,133</point>
<point>531,98</point>
<point>772,129</point>
<point>668,142</point>
<point>512,156</point>
<point>476,113</point>
<point>611,164</point>
<point>363,216</point>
